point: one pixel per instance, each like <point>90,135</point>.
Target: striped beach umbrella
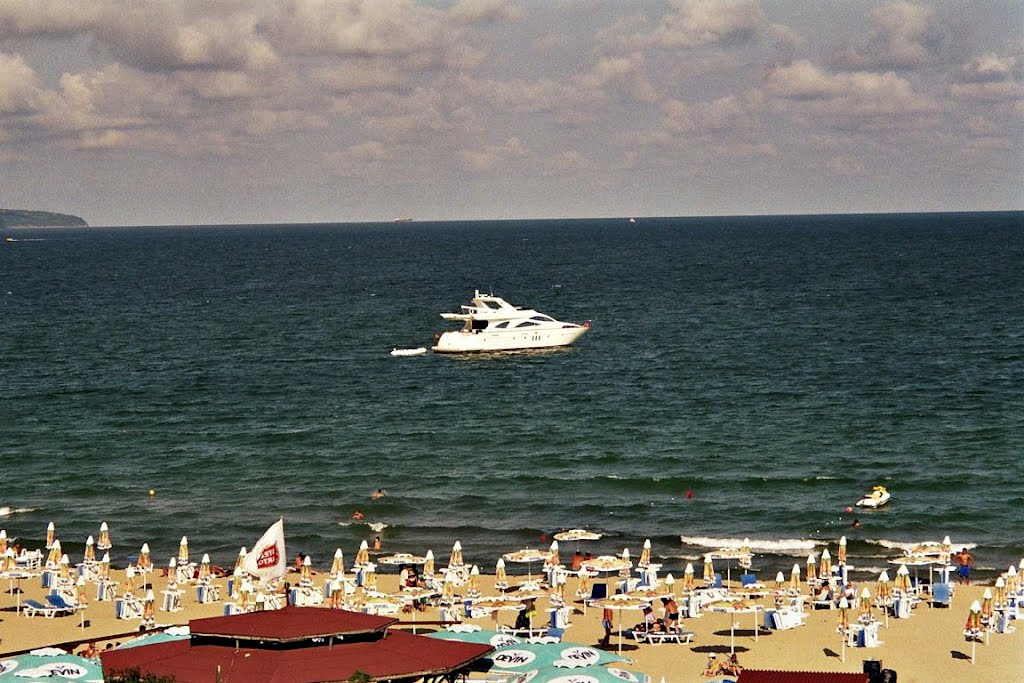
<point>105,567</point>
<point>90,550</point>
<point>104,541</point>
<point>553,558</point>
<point>500,576</point>
<point>3,541</point>
<point>709,569</point>
<point>945,551</point>
<point>825,567</point>
<point>473,589</point>
<point>972,629</point>
<point>843,623</point>
<point>10,563</point>
<point>883,589</point>
<point>645,554</point>
<point>987,609</point>
<point>81,599</point>
<point>337,592</point>
<point>338,565</point>
<point>51,535</point>
<point>455,559</point>
<point>369,578</point>
<point>842,550</point>
<point>903,579</point>
<point>448,587</point>
<point>149,607</point>
<point>172,573</point>
<point>183,551</point>
<point>689,583</point>
<point>1000,591</point>
<point>204,568</point>
<point>670,585</point>
<point>1012,581</point>
<point>865,603</point>
<point>240,560</point>
<point>780,581</point>
<point>583,587</point>
<point>306,573</point>
<point>363,556</point>
<point>129,580</point>
<point>145,562</point>
<point>53,558</point>
<point>810,568</point>
<point>65,567</point>
<point>794,578</point>
<point>428,564</point>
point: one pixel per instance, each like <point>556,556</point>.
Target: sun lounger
<point>524,632</point>
<point>941,595</point>
<point>31,608</point>
<point>58,602</point>
<point>658,637</point>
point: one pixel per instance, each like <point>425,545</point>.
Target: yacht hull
<point>469,341</point>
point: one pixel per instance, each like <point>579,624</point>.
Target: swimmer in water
<point>358,516</point>
<point>378,494</point>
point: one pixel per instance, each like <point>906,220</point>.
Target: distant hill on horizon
<point>12,218</point>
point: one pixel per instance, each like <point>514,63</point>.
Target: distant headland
<point>18,218</point>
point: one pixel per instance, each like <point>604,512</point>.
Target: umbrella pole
<point>974,647</point>
<point>620,632</point>
<point>842,635</point>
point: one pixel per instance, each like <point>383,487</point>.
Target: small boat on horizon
<point>419,351</point>
<point>492,324</point>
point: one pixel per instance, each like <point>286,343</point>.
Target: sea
<point>745,380</point>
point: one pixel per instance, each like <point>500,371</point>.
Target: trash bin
<point>873,668</point>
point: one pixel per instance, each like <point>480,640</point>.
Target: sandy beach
<point>929,646</point>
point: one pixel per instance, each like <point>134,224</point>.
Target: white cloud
<point>903,36</point>
<point>19,90</point>
<point>696,23</point>
<point>486,158</point>
<point>988,68</point>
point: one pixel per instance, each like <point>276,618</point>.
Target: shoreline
<point>929,646</point>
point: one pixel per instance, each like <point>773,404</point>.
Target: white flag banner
<point>266,560</point>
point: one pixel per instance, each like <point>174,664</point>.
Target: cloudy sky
<point>182,112</point>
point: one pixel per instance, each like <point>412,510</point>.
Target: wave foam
<point>907,547</point>
<point>781,546</point>
<point>8,511</point>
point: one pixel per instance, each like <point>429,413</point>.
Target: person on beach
<point>671,614</point>
<point>711,667</point>
<point>606,622</point>
<point>89,651</point>
<point>577,561</point>
<point>299,560</point>
<point>964,560</point>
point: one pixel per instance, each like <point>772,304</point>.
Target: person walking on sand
<point>606,622</point>
<point>964,561</point>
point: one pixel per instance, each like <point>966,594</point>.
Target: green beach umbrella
<point>50,664</point>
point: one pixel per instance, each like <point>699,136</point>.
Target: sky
<point>188,112</point>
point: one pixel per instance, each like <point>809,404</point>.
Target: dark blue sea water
<point>777,367</point>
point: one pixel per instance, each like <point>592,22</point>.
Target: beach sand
<point>925,648</point>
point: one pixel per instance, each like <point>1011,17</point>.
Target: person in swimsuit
<point>964,560</point>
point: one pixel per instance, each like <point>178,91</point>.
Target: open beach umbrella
<point>183,551</point>
<point>577,535</point>
<point>842,550</point>
<point>401,558</point>
<point>688,581</point>
<point>338,565</point>
<point>734,607</point>
<point>621,603</point>
<point>104,540</point>
<point>53,558</point>
<point>50,664</point>
<point>51,535</point>
<point>90,550</point>
<point>363,556</point>
<point>455,559</point>
<point>810,568</point>
<point>794,579</point>
<point>607,563</point>
<point>527,556</point>
<point>645,554</point>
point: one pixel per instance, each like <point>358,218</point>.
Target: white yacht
<point>493,324</point>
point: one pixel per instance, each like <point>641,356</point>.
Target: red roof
<point>767,676</point>
<point>396,655</point>
<point>290,624</point>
